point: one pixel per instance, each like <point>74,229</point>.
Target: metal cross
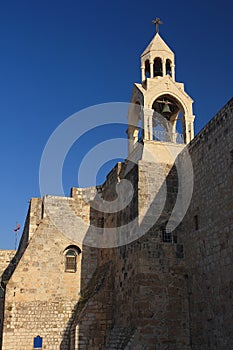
<point>157,22</point>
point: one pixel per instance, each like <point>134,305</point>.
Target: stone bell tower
<point>161,110</point>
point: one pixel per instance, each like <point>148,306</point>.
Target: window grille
<point>166,236</point>
<point>70,264</point>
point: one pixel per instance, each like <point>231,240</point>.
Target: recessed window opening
<point>166,235</point>
<point>147,69</point>
<point>71,261</point>
<point>231,156</point>
<point>168,68</point>
<point>158,68</point>
<point>71,255</point>
<point>196,222</point>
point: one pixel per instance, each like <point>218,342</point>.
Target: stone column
<point>143,72</point>
<point>189,129</point>
<point>148,124</point>
<point>152,69</point>
<point>173,71</point>
<point>173,132</point>
<point>164,67</point>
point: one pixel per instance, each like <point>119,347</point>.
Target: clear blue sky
<point>58,57</point>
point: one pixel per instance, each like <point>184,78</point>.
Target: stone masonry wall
<point>208,235</point>
<point>6,257</point>
<point>148,295</point>
<point>150,286</point>
<point>40,296</point>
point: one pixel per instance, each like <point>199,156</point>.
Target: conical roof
<point>157,44</point>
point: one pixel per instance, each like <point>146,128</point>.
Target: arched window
<point>147,69</point>
<point>71,255</point>
<point>158,68</point>
<point>168,67</point>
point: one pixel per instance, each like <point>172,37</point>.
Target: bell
<point>166,109</point>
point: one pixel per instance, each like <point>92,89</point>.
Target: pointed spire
<point>157,59</point>
<point>157,44</point>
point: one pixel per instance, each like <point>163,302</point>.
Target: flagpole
<point>16,235</point>
<point>17,228</point>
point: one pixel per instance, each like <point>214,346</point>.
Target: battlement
<point>216,128</point>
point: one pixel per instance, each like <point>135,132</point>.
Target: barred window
<point>72,255</point>
<point>166,235</point>
<point>70,261</point>
<point>71,258</point>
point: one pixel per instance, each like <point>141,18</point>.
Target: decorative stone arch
<point>171,94</point>
<point>72,255</point>
<point>181,108</point>
<point>168,110</point>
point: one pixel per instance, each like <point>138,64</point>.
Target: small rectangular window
<point>231,156</point>
<point>180,251</point>
<point>70,263</point>
<point>166,236</point>
<point>196,223</point>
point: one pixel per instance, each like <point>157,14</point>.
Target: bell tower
<point>161,110</point>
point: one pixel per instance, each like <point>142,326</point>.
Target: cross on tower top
<point>157,21</point>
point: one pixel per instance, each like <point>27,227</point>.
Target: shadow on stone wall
<point>119,304</point>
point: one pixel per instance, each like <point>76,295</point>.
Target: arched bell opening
<point>158,67</point>
<point>147,69</point>
<point>168,120</point>
<point>168,67</point>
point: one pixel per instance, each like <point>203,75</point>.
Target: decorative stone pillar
<point>173,132</point>
<point>189,128</point>
<point>143,73</point>
<point>173,71</point>
<point>164,67</point>
<point>148,124</point>
<point>152,69</point>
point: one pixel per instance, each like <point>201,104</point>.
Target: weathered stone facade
<point>6,259</point>
<point>161,290</point>
<point>208,242</point>
<point>40,294</point>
